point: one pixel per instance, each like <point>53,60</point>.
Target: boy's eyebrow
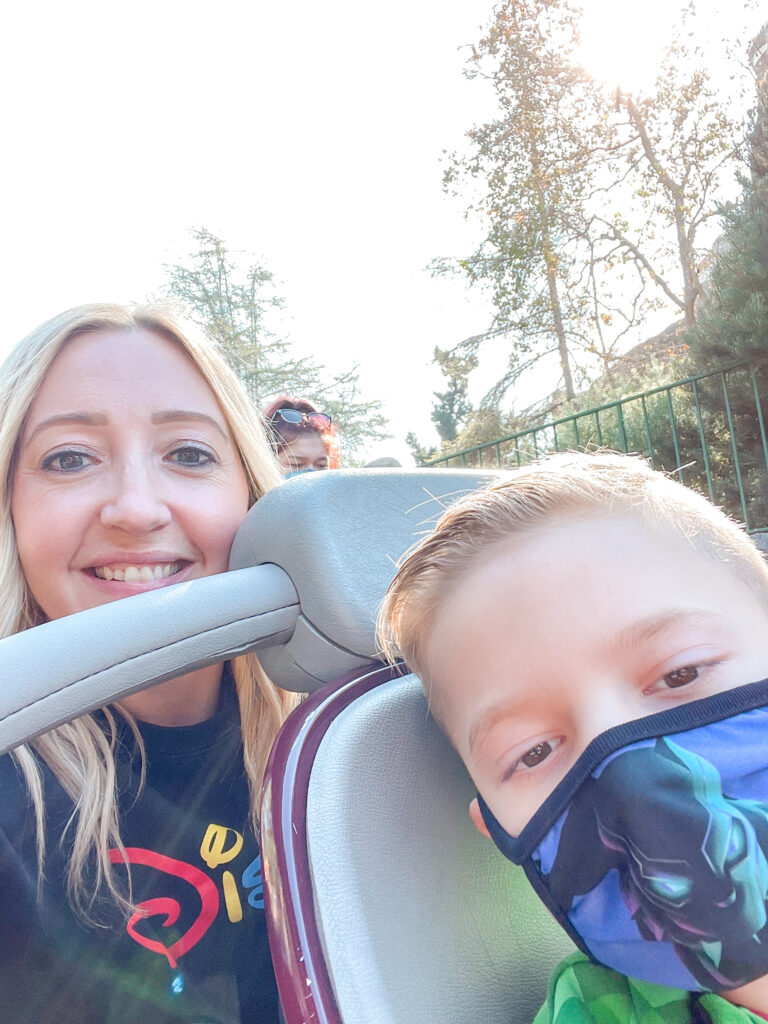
<point>640,632</point>
<point>489,718</point>
<point>633,635</point>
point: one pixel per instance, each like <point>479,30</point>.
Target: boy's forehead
<point>575,537</point>
<point>550,593</point>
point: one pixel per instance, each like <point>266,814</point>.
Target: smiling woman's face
<point>127,478</point>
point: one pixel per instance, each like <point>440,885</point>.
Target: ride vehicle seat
<point>385,906</point>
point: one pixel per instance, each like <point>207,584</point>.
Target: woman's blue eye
<point>66,462</point>
<point>191,456</point>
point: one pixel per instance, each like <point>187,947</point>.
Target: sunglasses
<point>296,419</point>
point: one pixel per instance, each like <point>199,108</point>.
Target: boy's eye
<point>681,676</point>
<point>536,755</point>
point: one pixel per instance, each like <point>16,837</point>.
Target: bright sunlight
<point>621,42</point>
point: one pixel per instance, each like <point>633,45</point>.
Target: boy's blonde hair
<point>551,490</point>
<point>81,753</point>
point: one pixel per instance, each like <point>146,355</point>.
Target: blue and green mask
<point>653,851</point>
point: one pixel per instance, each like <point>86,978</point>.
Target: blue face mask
<point>298,472</point>
<point>653,851</point>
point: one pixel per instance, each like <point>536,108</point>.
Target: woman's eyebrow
<point>101,420</point>
<point>87,418</point>
<point>177,415</point>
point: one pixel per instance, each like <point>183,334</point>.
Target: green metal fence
<point>709,429</point>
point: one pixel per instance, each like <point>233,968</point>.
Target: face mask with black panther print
<point>652,852</point>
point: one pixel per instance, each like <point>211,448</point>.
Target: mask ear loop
<point>501,838</point>
<point>509,846</point>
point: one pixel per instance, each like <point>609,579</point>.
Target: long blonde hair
<point>81,754</point>
<point>557,487</point>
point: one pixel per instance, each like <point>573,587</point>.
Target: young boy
<point>593,638</point>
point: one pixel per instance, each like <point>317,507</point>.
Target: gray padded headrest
<point>339,536</point>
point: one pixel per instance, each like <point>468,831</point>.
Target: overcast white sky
<point>306,133</point>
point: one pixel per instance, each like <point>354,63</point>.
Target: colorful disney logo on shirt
<point>220,845</point>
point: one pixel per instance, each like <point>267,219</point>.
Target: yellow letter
<point>212,847</point>
<point>232,897</point>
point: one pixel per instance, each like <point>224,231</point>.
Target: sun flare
<point>621,42</point>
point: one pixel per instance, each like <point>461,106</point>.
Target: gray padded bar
<point>310,565</point>
<point>63,668</point>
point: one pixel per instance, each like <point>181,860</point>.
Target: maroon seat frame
<point>303,978</point>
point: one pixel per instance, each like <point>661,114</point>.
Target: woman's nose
<point>134,503</point>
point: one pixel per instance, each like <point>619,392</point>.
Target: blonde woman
<point>130,880</point>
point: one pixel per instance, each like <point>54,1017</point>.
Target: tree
<point>536,167</point>
<point>420,454</point>
<point>592,201</point>
<point>452,406</point>
<point>733,320</point>
<point>732,323</point>
<point>232,304</point>
<point>525,159</point>
<point>675,149</point>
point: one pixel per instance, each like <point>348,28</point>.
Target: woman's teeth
<point>137,573</point>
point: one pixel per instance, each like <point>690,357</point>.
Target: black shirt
<point>195,951</point>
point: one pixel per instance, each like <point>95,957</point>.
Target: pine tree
<point>232,303</point>
<point>733,320</point>
<point>732,324</point>
<point>452,405</point>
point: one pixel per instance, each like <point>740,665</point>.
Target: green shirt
<point>581,992</point>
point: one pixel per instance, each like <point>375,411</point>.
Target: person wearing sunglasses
<point>301,436</point>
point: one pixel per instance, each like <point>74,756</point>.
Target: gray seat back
<point>422,919</point>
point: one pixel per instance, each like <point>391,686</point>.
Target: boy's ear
<point>477,819</point>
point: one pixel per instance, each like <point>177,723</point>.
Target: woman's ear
<point>477,819</point>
